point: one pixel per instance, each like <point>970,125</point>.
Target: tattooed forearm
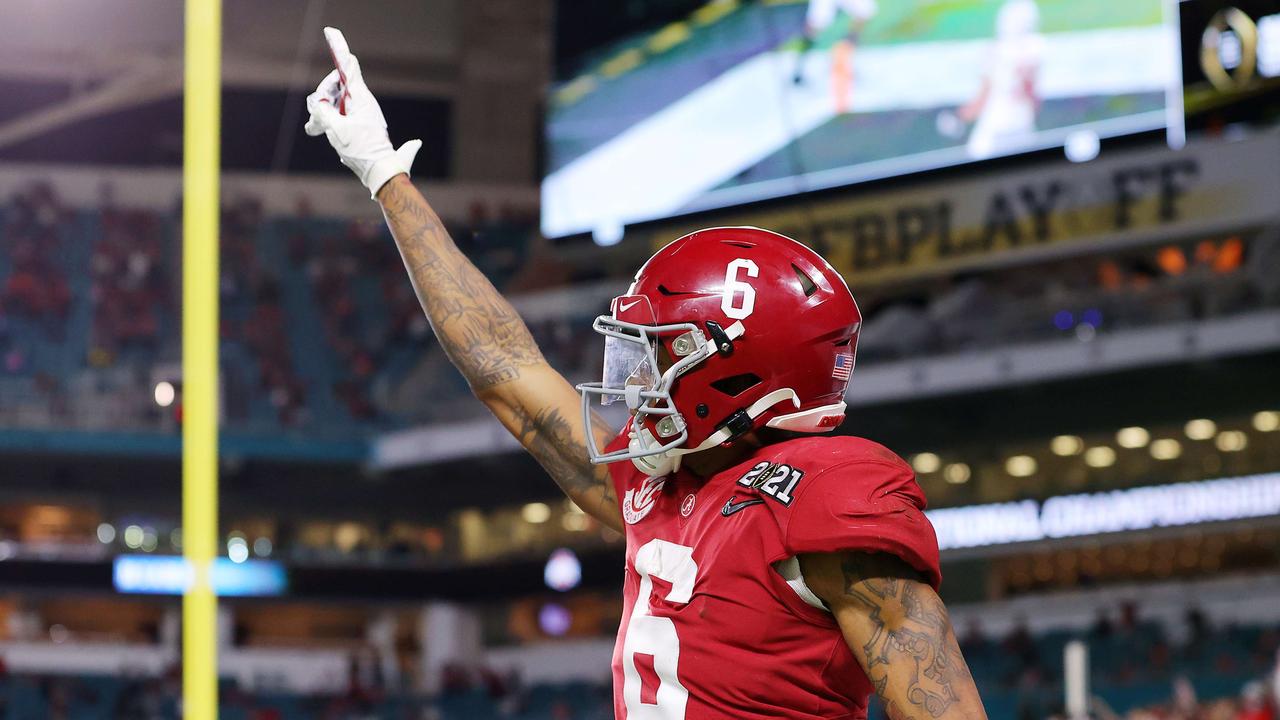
<point>551,440</point>
<point>489,343</point>
<point>478,328</point>
<point>910,637</point>
<point>898,628</point>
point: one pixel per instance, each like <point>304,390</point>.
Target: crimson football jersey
<point>709,628</point>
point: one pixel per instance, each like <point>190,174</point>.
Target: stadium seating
<point>322,335</point>
<point>1131,669</point>
<point>316,315</point>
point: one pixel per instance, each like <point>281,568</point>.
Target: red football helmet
<point>724,331</point>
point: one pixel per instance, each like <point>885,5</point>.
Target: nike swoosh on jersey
<point>730,507</point>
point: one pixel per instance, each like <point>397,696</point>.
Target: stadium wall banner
<point>1054,210</point>
<point>171,575</point>
<point>1116,511</point>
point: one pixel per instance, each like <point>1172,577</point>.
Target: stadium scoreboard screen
<point>746,101</point>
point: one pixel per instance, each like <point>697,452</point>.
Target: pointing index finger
<point>338,46</point>
<point>342,60</point>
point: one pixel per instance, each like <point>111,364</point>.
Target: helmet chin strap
<point>669,462</point>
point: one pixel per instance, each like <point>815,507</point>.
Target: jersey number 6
<point>651,642</point>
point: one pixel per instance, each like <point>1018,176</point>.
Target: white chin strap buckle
<point>654,465</point>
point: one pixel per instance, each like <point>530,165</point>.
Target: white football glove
<point>343,110</point>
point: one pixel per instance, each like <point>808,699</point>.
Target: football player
<point>1004,111</point>
<point>769,572</point>
<point>820,15</point>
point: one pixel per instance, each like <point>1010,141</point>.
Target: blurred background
<point>1059,217</point>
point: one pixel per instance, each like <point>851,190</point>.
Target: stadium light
<point>346,536</point>
<point>575,522</point>
<point>106,533</point>
<point>1266,421</point>
<point>1200,429</point>
<point>957,473</point>
<point>555,619</point>
<point>536,513</point>
<point>262,547</point>
<point>926,462</point>
<point>1065,445</point>
<point>1231,441</point>
<point>1133,437</point>
<point>1100,456</point>
<point>237,550</point>
<point>1020,466</point>
<point>1166,449</point>
<point>165,393</point>
<point>563,571</point>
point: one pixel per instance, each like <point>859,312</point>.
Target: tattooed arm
<point>898,628</point>
<point>489,343</point>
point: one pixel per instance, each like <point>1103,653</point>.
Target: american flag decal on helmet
<point>844,366</point>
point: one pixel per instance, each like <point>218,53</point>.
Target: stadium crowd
<point>321,332</point>
<point>1138,673</point>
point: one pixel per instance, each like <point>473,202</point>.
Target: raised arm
<point>478,329</point>
<point>898,628</point>
<point>489,343</point>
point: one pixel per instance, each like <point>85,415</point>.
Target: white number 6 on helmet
<point>733,286</point>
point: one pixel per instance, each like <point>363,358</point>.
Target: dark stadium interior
<point>1076,356</point>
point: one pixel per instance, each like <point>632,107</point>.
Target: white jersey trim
<point>789,569</point>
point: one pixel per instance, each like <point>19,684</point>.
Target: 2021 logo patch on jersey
<point>776,480</point>
<point>637,503</point>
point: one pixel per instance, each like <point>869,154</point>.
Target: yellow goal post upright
<point>200,162</point>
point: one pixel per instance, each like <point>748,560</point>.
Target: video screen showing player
<point>744,101</point>
<point>822,15</point>
<point>1003,113</point>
